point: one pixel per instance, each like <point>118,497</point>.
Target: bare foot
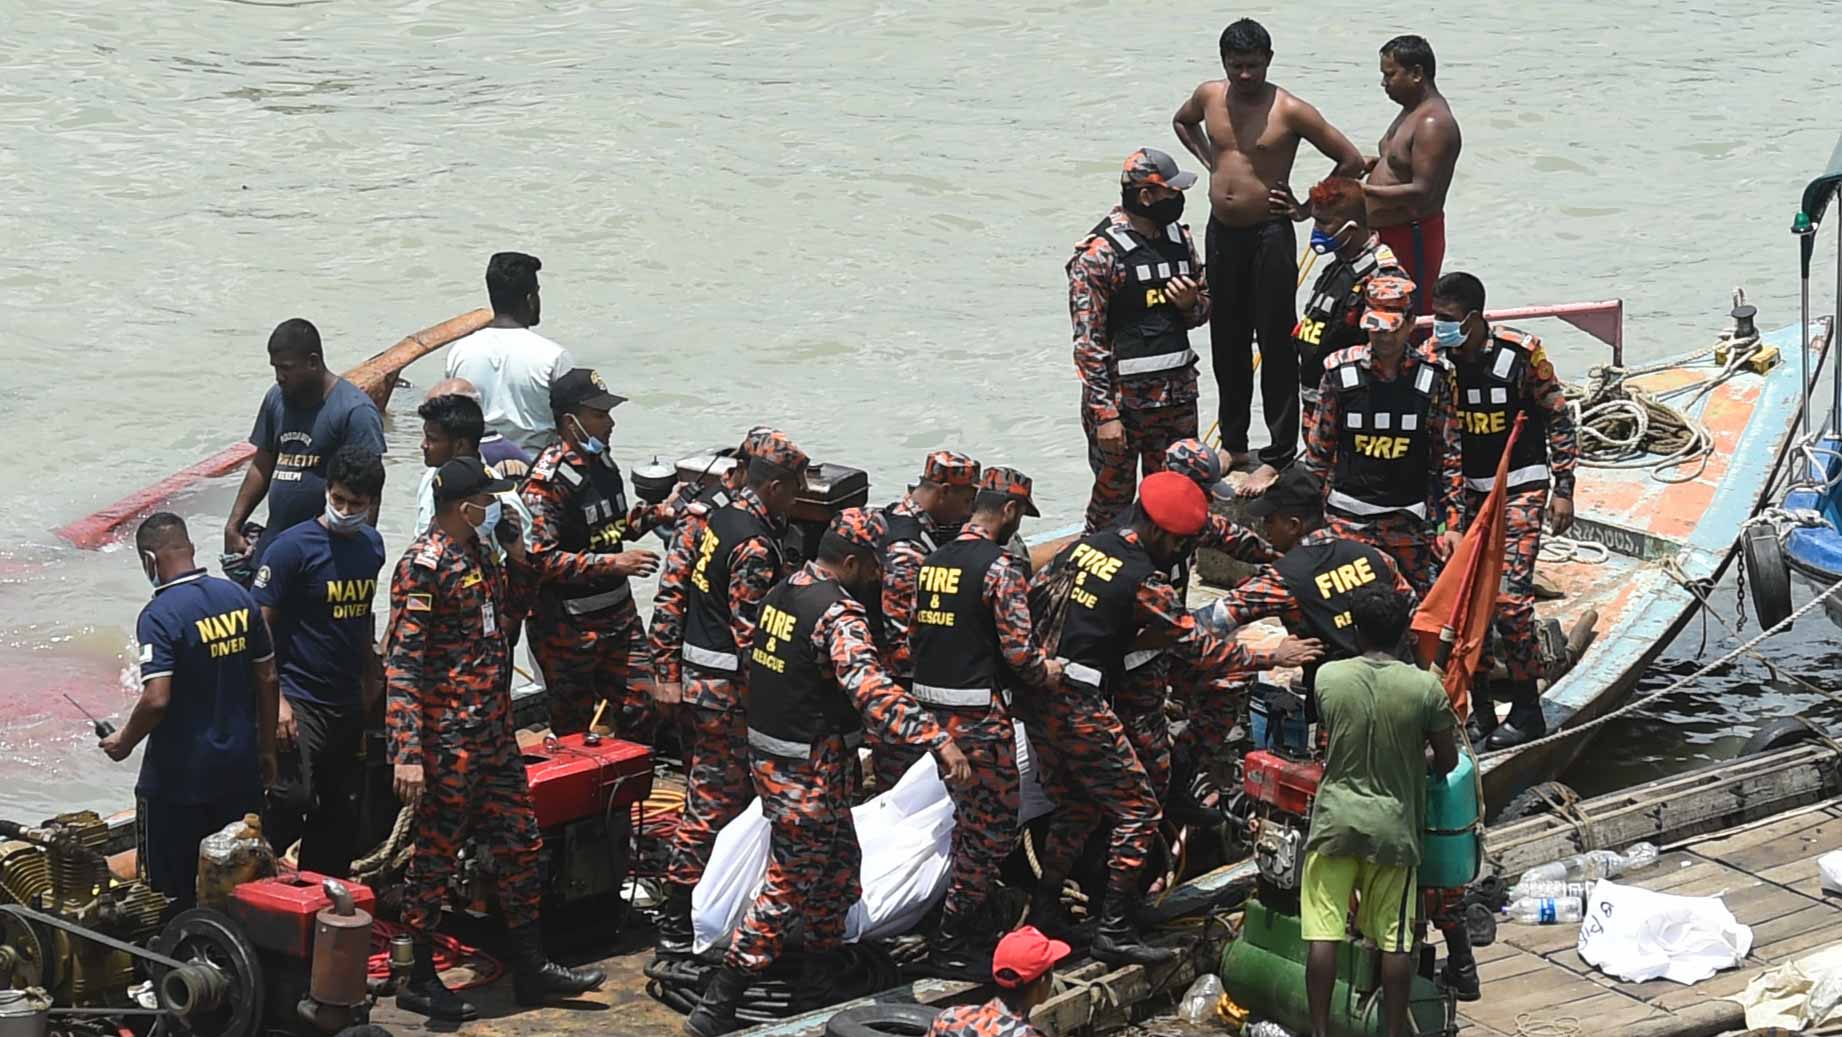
<point>1257,483</point>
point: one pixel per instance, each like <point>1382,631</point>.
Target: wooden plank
<point>1796,946</point>
<point>1814,917</point>
<point>1505,969</point>
<point>1719,985</point>
<point>1541,940</point>
<point>1599,1010</point>
<point>1792,839</point>
<point>1106,1002</point>
<point>1702,877</point>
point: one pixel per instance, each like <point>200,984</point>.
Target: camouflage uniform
<point>902,560</point>
<point>1156,409</point>
<point>448,672</point>
<point>716,767</point>
<point>1408,539</point>
<point>1264,595</point>
<point>590,656</point>
<point>1333,310</point>
<point>991,1019</point>
<point>813,854</point>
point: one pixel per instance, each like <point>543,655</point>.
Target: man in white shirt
<point>510,364</point>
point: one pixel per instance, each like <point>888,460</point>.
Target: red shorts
<point>1420,246</point>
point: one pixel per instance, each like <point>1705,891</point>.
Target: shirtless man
<point>1408,180</point>
<point>1246,131</point>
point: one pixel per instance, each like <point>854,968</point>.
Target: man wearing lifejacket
<point>974,641</point>
<point>585,632</point>
<point>1120,601</point>
<point>815,683</point>
<point>1134,291</point>
<point>1503,372</point>
<point>940,501</point>
<point>1333,311</point>
<point>738,559</point>
<point>1385,442</point>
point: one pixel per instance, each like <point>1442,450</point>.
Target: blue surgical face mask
<point>590,445</point>
<point>339,522</point>
<point>1448,334</point>
<point>490,523</point>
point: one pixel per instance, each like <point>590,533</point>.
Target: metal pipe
<point>1835,406</point>
<point>1803,355</point>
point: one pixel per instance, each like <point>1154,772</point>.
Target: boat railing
<point>1603,320</point>
<point>1817,196</point>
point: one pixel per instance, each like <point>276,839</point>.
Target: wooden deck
<point>1765,873</point>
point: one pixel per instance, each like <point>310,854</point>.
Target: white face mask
<point>483,529</point>
<point>339,522</point>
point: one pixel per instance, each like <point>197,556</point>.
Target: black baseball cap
<point>581,387</point>
<point>466,477</point>
<point>1296,491</point>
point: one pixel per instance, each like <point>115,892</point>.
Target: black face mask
<point>1164,212</point>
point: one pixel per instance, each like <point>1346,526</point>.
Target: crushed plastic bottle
<point>1592,866</point>
<point>227,858</point>
<point>1540,888</point>
<point>1546,910</point>
<point>1200,999</point>
<point>1268,1028</point>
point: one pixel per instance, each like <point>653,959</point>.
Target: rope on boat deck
<point>1528,1024</point>
<point>1623,427</point>
<point>1636,704</point>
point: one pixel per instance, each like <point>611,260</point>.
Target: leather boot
<point>1483,712</point>
<point>536,979</point>
<point>675,932</point>
<point>1117,942</point>
<point>1525,722</point>
<point>955,953</point>
<point>715,1015</point>
<point>1048,914</point>
<point>1459,976</point>
<point>425,994</point>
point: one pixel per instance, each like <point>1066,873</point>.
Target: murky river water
<point>845,218</point>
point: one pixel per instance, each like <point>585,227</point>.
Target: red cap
<point>1024,955</point>
<point>1174,502</point>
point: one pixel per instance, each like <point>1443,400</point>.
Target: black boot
<point>1048,914</point>
<point>536,979</point>
<point>1483,712</point>
<point>425,994</point>
<point>1525,722</point>
<point>675,932</point>
<point>1116,941</point>
<point>957,952</point>
<point>715,1015</point>
<point>1459,976</point>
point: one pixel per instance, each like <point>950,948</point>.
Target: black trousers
<point>168,834</point>
<point>313,797</point>
<point>1253,289</point>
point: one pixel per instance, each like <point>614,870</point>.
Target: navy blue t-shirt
<point>320,586</point>
<point>302,439</point>
<point>204,633</point>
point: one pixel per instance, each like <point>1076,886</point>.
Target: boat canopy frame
<point>1817,196</point>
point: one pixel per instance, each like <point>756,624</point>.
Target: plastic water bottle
<point>1550,889</point>
<point>1268,1028</point>
<point>1546,910</point>
<point>1592,866</point>
<point>1200,999</point>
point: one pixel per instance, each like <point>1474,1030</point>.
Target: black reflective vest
<point>957,659</point>
<point>1385,451</point>
<point>794,698</point>
<point>709,629</point>
<point>1328,323</point>
<point>1489,398</point>
<point>1322,577</point>
<point>595,521</point>
<point>1102,623</point>
<point>1147,331</point>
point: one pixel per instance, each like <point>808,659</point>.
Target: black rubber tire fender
<point>882,1020</point>
<point>1768,575</point>
<point>1534,801</point>
<point>1780,734</point>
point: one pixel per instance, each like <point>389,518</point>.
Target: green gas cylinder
<point>1451,847</point>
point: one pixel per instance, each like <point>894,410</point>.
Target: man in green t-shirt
<point>1382,714</point>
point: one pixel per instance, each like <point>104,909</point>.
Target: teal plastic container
<point>1451,848</point>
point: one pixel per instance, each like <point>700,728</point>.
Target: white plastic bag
<point>1829,866</point>
<point>1637,935</point>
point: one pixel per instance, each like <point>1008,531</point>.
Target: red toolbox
<point>1286,785</point>
<point>278,912</point>
<point>572,779</point>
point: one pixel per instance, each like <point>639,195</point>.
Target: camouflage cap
<point>1201,463</point>
<point>1390,302</point>
<point>754,435</point>
<point>770,447</point>
<point>1011,483</point>
<point>1151,166</point>
<point>950,468</point>
<point>862,528</point>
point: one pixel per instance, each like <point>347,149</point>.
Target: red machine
<point>278,913</point>
<point>314,936</point>
<point>585,776</point>
<point>1279,794</point>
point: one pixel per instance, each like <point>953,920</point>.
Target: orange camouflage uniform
<point>448,672</point>
<point>991,1019</point>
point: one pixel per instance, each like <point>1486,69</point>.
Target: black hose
<point>786,989</point>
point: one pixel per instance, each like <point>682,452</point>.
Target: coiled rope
<point>1625,427</point>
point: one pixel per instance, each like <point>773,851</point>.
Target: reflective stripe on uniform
<point>1134,660</point>
<point>1081,673</point>
<point>1160,362</point>
<point>1517,477</point>
<point>964,698</point>
<point>705,657</point>
<point>1344,502</point>
<point>598,602</point>
<point>794,750</point>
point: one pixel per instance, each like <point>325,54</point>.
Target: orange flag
<point>1453,621</point>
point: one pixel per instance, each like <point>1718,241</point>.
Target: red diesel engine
<point>1279,794</point>
<point>584,788</point>
<point>313,935</point>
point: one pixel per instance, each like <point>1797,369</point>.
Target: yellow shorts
<point>1386,910</point>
